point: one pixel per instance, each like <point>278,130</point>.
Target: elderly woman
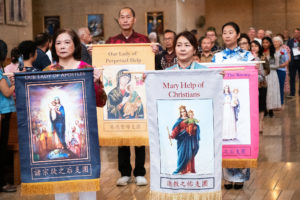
<point>283,63</point>
<point>66,52</point>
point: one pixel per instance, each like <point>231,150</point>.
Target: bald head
<point>84,35</point>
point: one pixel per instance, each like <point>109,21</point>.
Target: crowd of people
<point>67,49</point>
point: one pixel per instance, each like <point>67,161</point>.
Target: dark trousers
<point>124,161</point>
<point>293,68</point>
<point>262,96</point>
<point>3,145</point>
<point>281,76</point>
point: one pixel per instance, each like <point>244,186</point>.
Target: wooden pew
<point>13,145</point>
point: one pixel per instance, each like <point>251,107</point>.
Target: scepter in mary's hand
<point>169,136</point>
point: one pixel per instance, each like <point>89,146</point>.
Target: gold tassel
<point>239,163</point>
<point>185,196</point>
<point>126,140</point>
<point>44,188</point>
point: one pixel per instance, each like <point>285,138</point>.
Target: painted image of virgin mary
<point>187,143</point>
<point>57,118</point>
<point>123,102</point>
<point>230,114</point>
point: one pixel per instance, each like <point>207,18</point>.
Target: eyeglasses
<point>243,43</point>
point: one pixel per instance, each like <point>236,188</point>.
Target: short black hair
<point>41,39</point>
<point>244,35</point>
<point>3,51</point>
<point>194,31</point>
<point>232,24</point>
<point>170,31</point>
<point>14,55</point>
<point>212,29</point>
<point>27,48</point>
<point>132,11</point>
<point>75,39</point>
<point>190,37</point>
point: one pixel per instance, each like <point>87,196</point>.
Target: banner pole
<point>223,69</point>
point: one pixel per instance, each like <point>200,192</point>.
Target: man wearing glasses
<point>166,58</point>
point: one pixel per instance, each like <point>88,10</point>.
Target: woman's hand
<point>144,77</point>
<point>155,48</point>
<point>257,66</point>
<point>97,74</point>
<point>222,73</point>
<point>11,79</point>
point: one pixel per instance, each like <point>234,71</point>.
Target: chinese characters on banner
<point>58,134</point>
<point>185,133</point>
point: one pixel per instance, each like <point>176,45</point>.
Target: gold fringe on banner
<point>239,163</point>
<point>127,139</point>
<point>185,196</point>
<point>44,188</point>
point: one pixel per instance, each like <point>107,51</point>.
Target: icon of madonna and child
<point>230,113</point>
<point>58,132</point>
<point>123,101</point>
<point>186,132</point>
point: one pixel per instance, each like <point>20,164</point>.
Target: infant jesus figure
<point>191,123</point>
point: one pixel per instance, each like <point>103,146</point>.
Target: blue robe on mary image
<point>187,146</point>
<point>59,126</point>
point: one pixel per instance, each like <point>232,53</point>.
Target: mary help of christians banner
<point>58,135</point>
<point>185,133</point>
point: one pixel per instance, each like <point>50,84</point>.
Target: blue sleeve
<point>213,59</point>
<point>286,55</point>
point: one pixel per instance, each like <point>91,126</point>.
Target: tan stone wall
<point>13,34</point>
<point>270,14</point>
<point>73,13</point>
<point>187,13</point>
<point>219,12</point>
<point>276,15</point>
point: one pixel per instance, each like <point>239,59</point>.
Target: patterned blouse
<point>194,65</point>
<point>99,89</point>
<point>235,55</point>
<point>133,38</point>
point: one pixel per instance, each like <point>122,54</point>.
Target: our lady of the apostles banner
<point>122,121</point>
<point>240,116</point>
<point>58,134</point>
<point>185,133</point>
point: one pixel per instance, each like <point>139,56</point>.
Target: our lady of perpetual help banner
<point>123,120</point>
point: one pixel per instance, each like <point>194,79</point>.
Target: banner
<point>240,118</point>
<point>122,121</point>
<point>58,134</point>
<point>185,133</point>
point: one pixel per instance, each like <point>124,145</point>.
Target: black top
<point>41,61</point>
